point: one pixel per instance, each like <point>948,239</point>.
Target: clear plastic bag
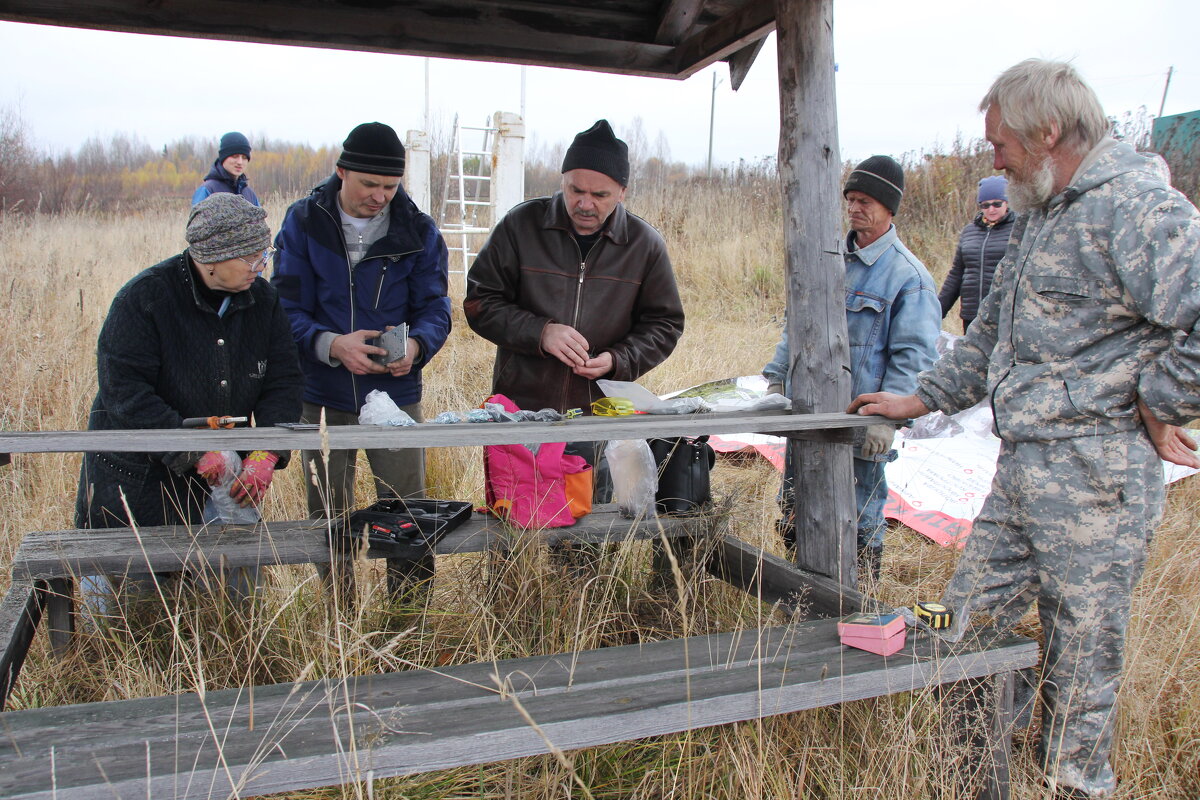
<point>220,507</point>
<point>634,477</point>
<point>380,409</point>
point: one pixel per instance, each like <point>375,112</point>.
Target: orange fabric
<point>579,492</point>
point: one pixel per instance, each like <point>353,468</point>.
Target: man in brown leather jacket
<point>573,287</point>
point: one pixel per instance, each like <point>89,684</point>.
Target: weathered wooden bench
<point>281,738</point>
<point>46,564</point>
<point>289,737</point>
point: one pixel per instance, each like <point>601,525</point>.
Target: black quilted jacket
<point>980,249</point>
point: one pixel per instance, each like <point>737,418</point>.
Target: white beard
<point>1035,191</point>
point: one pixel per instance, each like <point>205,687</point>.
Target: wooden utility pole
<point>810,172</point>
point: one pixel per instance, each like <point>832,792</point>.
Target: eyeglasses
<point>260,263</point>
<point>993,204</point>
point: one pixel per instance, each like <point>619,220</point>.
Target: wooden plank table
<point>353,437</point>
<point>290,737</point>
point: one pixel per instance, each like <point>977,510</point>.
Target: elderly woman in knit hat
<point>228,173</point>
<point>198,335</point>
<point>981,245</point>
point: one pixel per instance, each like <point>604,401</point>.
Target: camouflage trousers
<point>1067,525</point>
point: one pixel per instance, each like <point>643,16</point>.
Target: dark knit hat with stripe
<point>599,150</point>
<point>373,148</point>
<point>879,177</point>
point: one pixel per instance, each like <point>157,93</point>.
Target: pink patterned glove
<point>258,469</point>
<point>211,467</point>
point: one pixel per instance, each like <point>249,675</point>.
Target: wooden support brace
<point>60,614</point>
<point>979,725</point>
<point>20,613</point>
<point>776,580</point>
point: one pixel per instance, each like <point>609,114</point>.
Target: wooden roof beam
<point>733,32</point>
<point>501,37</point>
<point>739,62</point>
<point>677,19</point>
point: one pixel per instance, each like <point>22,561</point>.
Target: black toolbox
<point>401,528</point>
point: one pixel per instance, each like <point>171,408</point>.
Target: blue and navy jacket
<point>402,278</point>
<point>219,180</point>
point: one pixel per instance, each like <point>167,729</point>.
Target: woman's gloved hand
<point>212,467</point>
<point>258,469</point>
<point>878,439</point>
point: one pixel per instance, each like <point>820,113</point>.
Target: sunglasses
<point>992,204</point>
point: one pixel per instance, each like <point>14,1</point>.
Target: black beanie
<point>600,150</point>
<point>879,177</point>
<point>373,148</point>
<point>232,144</point>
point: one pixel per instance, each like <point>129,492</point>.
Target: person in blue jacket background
<point>228,173</point>
<point>355,258</point>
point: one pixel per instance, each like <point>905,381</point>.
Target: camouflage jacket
<point>1095,302</point>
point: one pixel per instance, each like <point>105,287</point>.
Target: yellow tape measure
<point>935,615</point>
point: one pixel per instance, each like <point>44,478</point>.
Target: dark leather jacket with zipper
<point>622,298</point>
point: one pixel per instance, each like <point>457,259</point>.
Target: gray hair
<point>1036,96</point>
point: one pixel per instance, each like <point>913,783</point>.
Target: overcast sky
<point>910,76</point>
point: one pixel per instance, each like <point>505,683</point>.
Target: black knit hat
<point>599,149</point>
<point>879,177</point>
<point>373,148</point>
<point>232,144</point>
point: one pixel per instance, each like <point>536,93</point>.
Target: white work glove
<point>878,439</point>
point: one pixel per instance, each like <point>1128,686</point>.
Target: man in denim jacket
<point>893,317</point>
<point>1088,348</point>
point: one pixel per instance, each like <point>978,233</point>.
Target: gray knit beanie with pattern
<point>224,226</point>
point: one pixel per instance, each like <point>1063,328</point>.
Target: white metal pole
<point>712,115</point>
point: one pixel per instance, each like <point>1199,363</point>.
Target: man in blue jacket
<point>353,259</point>
<point>892,318</point>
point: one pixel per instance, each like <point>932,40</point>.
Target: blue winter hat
<point>993,188</point>
<point>232,144</point>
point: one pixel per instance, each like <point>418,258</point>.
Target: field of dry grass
<point>59,274</point>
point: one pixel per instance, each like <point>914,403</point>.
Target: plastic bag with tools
<point>380,409</point>
<point>634,476</point>
<point>645,401</point>
<point>220,507</point>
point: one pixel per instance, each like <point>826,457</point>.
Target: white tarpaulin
<point>943,473</point>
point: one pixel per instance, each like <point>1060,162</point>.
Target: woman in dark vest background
<point>981,245</point>
<point>228,173</point>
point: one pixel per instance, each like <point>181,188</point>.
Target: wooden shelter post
<point>810,173</point>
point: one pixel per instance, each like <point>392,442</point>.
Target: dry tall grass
<point>60,273</point>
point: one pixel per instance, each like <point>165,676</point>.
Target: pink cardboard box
<point>882,634</point>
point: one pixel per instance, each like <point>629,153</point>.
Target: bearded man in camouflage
<point>1088,350</point>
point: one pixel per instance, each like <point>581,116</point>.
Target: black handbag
<point>683,475</point>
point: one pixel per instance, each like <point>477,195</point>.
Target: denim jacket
<point>892,318</point>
